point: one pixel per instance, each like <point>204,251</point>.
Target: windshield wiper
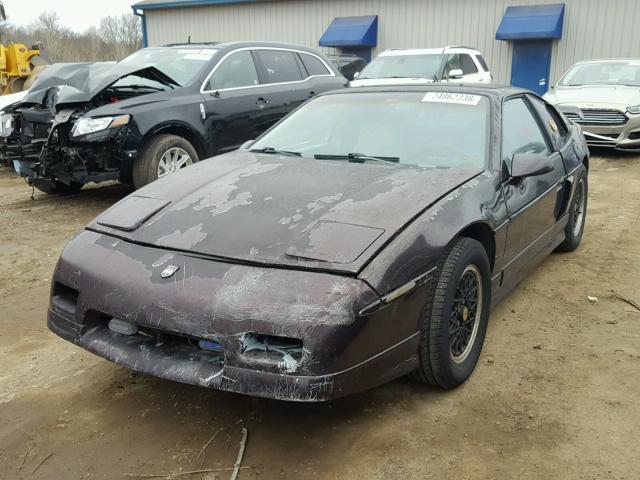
<point>358,158</point>
<point>276,151</point>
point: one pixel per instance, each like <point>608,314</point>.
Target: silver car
<point>603,96</point>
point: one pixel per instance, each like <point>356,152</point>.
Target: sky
<point>75,14</point>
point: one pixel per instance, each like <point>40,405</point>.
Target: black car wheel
<point>454,319</point>
<point>163,155</point>
<point>577,216</point>
<point>59,188</point>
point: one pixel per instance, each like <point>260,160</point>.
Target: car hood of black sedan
<point>81,82</point>
<point>278,210</point>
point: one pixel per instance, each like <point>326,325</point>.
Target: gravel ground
<point>555,394</point>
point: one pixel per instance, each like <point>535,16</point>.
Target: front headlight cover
<point>634,110</point>
<point>87,125</point>
<point>6,124</point>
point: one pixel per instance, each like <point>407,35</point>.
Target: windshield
<point>605,73</point>
<point>403,66</point>
<point>436,129</point>
<point>182,65</point>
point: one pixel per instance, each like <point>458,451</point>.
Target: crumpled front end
<point>43,148</point>
<point>270,332</point>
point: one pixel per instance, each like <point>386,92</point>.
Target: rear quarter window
<point>313,65</point>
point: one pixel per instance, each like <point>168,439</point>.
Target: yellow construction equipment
<point>17,64</point>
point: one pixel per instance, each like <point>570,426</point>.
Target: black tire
<point>577,215</point>
<point>439,367</point>
<point>145,167</point>
<point>59,188</point>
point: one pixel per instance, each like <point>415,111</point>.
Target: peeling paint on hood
<point>290,211</point>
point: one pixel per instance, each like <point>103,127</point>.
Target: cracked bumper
<point>344,352</point>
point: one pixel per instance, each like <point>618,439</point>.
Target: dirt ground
<point>555,395</point>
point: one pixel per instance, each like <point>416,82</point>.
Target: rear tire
<point>454,319</point>
<point>577,216</point>
<point>59,188</point>
<point>162,155</point>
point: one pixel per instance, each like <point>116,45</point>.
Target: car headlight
<point>88,125</point>
<point>635,109</point>
<point>6,124</point>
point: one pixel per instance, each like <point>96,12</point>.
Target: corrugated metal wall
<point>592,29</point>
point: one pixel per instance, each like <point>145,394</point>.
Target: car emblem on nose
<point>169,271</point>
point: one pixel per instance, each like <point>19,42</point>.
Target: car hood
<point>603,96</point>
<point>80,82</point>
<point>276,210</point>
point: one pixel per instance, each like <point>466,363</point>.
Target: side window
<point>313,65</point>
<point>279,66</point>
<point>468,66</point>
<point>482,63</point>
<point>551,120</point>
<point>237,70</point>
<point>453,63</point>
<point>520,131</point>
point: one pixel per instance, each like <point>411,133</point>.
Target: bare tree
<point>115,38</point>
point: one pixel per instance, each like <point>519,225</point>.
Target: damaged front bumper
<point>609,128</point>
<point>44,151</point>
<point>275,333</point>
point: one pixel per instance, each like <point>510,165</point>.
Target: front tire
<point>163,155</point>
<point>454,319</point>
<point>577,216</point>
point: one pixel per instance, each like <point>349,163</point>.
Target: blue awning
<point>351,32</point>
<point>532,21</point>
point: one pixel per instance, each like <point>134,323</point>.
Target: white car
<point>602,96</point>
<point>425,65</point>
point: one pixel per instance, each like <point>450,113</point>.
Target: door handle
<point>312,94</point>
<point>542,82</point>
<point>262,101</point>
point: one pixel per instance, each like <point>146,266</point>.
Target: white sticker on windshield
<point>449,97</point>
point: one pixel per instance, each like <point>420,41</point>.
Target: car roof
<point>426,51</point>
<point>234,45</point>
<point>492,90</point>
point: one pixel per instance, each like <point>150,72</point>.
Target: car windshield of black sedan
<point>179,64</point>
<point>436,129</point>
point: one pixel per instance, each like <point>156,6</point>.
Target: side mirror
<point>455,73</point>
<point>530,165</point>
<point>356,75</point>
<point>246,145</point>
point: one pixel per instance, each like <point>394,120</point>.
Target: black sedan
<point>156,111</point>
<point>362,238</point>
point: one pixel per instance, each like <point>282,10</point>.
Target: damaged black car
<point>362,238</point>
<point>156,111</point>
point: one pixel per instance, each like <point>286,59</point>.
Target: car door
<point>535,203</point>
<point>231,101</point>
<point>282,76</point>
